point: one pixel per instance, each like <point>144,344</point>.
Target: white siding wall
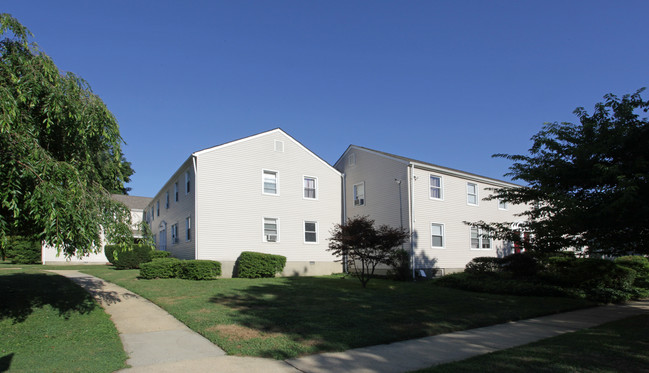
<point>381,190</point>
<point>175,214</point>
<point>231,203</point>
<point>452,211</point>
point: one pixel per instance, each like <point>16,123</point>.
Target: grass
<point>287,317</point>
<point>613,347</point>
<point>49,324</point>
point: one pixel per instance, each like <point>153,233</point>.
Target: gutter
<point>411,208</point>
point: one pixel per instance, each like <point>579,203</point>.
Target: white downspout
<point>411,205</point>
<point>344,215</point>
<point>194,160</point>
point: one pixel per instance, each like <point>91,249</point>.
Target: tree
<point>363,246</point>
<point>588,183</point>
<point>60,152</point>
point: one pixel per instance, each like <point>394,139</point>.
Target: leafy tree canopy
<point>588,183</point>
<point>364,246</point>
<point>60,152</point>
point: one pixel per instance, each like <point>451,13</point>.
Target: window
<point>437,235</point>
<point>188,229</point>
<point>359,194</point>
<point>435,187</point>
<point>480,239</point>
<point>271,230</point>
<point>310,231</point>
<point>167,200</point>
<point>279,146</point>
<point>351,159</point>
<point>176,191</point>
<point>152,216</point>
<point>310,185</point>
<point>187,183</point>
<point>157,207</point>
<point>174,233</point>
<point>472,194</point>
<point>502,205</point>
<point>270,182</point>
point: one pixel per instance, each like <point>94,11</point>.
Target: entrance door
<point>163,236</point>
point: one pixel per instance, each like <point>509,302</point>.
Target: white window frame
<point>315,181</point>
<point>263,182</point>
<point>361,201</point>
<point>481,239</point>
<point>441,228</point>
<point>188,229</point>
<point>264,236</point>
<point>188,181</point>
<point>441,187</point>
<point>469,194</point>
<point>503,205</point>
<point>304,223</point>
<point>174,234</point>
<point>176,191</point>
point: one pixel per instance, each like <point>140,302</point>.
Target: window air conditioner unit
<point>271,238</point>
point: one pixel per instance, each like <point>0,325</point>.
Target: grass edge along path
<point>49,324</point>
<point>294,316</point>
<point>612,347</point>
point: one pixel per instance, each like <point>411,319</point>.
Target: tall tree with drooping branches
<point>60,152</point>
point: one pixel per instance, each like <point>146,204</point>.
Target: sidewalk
<point>157,342</point>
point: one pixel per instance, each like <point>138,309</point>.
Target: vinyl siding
<point>231,203</point>
<point>381,190</point>
<point>176,213</point>
<point>452,212</point>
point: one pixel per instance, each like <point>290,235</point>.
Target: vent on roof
<point>279,146</point>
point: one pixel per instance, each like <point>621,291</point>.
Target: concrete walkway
<point>157,342</point>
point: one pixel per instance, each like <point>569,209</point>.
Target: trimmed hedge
<point>23,250</point>
<point>128,257</point>
<point>199,269</point>
<point>159,254</point>
<point>255,265</point>
<point>484,264</point>
<point>160,268</point>
<point>640,265</point>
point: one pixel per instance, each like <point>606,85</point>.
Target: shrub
<point>23,250</point>
<point>499,283</point>
<point>520,265</point>
<point>400,263</point>
<point>484,264</point>
<point>199,269</point>
<point>160,268</point>
<point>109,250</point>
<point>159,254</point>
<point>640,265</point>
<point>255,265</point>
<point>130,257</point>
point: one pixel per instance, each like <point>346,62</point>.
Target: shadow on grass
<point>22,293</point>
<point>328,314</point>
<point>5,362</point>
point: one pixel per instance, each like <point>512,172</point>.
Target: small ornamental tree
<point>363,246</point>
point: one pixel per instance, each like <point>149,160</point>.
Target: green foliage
<point>400,263</point>
<point>22,250</point>
<point>501,283</point>
<point>257,265</point>
<point>160,268</point>
<point>109,250</point>
<point>199,269</point>
<point>520,264</point>
<point>159,254</point>
<point>484,264</point>
<point>130,256</point>
<point>587,183</point>
<point>363,247</point>
<point>60,153</point>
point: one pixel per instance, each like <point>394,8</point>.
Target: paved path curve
<point>157,342</point>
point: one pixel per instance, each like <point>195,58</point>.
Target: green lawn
<point>49,324</point>
<point>287,317</point>
<point>619,346</point>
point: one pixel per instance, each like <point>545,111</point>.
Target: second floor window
<point>435,187</point>
<point>167,200</point>
<point>176,192</point>
<point>270,182</point>
<point>310,187</point>
<point>472,194</point>
<point>359,194</point>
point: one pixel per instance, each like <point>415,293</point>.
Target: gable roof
<point>132,202</point>
<point>276,130</point>
<point>426,165</point>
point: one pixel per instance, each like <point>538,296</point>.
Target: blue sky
<point>447,82</point>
